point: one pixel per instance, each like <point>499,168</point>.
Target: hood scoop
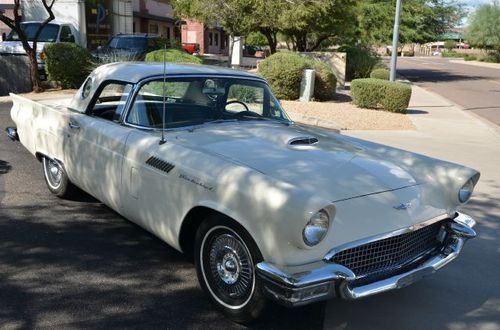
<point>302,141</point>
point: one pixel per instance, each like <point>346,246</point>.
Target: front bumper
<point>321,280</point>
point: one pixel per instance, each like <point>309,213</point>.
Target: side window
<point>66,35</point>
<point>110,102</point>
<point>251,96</point>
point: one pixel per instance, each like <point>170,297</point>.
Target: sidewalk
<point>478,63</point>
<point>469,286</point>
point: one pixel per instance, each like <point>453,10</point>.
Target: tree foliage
<point>421,20</point>
<point>484,27</point>
<point>15,24</point>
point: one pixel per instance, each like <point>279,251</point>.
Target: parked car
<point>130,47</point>
<point>191,48</point>
<point>270,210</point>
<point>52,32</point>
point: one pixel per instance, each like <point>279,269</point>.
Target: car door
<point>96,142</point>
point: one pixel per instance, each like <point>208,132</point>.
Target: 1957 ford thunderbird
<point>207,160</point>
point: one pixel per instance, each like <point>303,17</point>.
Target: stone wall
<point>14,74</point>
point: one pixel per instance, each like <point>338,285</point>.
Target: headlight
<point>466,191</point>
<point>316,229</point>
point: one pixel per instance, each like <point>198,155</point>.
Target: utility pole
<point>395,39</point>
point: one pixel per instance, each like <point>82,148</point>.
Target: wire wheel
<point>227,267</point>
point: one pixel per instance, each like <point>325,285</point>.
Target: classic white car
<point>207,160</point>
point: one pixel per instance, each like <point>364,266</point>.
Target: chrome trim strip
<point>378,237</point>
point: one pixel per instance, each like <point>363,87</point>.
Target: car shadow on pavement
<point>4,167</point>
<point>415,112</point>
<point>80,265</point>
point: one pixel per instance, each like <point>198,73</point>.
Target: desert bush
<point>360,62</point>
<point>284,71</point>
<point>451,54</point>
<point>377,93</point>
<point>172,55</point>
<point>450,44</point>
<point>470,57</point>
<point>67,63</point>
<point>325,82</point>
<point>380,74</point>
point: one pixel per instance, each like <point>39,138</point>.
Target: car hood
<point>16,47</point>
<point>335,167</point>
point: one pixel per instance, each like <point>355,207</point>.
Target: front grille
<point>387,257</point>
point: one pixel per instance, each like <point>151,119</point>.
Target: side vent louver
<point>159,164</point>
<point>303,141</point>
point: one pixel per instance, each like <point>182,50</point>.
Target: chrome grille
<point>386,257</point>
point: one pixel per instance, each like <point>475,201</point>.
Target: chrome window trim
<point>374,238</point>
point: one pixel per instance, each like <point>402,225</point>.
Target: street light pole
<point>395,39</point>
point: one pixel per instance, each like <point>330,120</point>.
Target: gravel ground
<point>344,115</point>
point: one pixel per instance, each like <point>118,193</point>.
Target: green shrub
<point>284,71</point>
<point>450,44</point>
<point>491,58</point>
<point>325,82</point>
<point>451,54</point>
<point>377,93</point>
<point>67,63</point>
<point>470,57</point>
<point>360,62</point>
<point>172,55</point>
<point>380,74</point>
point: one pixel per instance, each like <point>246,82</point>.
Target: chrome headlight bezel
<point>465,193</point>
<point>316,228</point>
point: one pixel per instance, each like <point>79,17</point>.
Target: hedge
<point>377,93</point>
<point>284,71</point>
<point>380,74</point>
<point>67,63</point>
<point>360,62</point>
<point>172,55</point>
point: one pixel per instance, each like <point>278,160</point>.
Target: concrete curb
<point>477,63</point>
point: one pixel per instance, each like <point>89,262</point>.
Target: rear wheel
<point>225,257</point>
<point>56,178</point>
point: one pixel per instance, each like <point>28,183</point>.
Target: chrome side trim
<point>374,238</point>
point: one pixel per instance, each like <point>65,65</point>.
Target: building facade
<point>210,40</point>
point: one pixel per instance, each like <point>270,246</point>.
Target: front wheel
<point>225,261</point>
<point>56,178</point>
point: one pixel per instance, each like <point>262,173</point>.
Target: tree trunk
<point>301,42</point>
<point>34,75</point>
<point>271,39</point>
<point>318,42</point>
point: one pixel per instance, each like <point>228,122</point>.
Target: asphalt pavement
<point>78,264</point>
<point>474,88</point>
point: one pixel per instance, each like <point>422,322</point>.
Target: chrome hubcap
<point>54,172</point>
<point>231,267</point>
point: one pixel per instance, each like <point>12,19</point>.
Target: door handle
<point>73,125</point>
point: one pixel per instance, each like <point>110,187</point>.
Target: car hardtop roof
<point>133,72</point>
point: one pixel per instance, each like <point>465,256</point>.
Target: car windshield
<point>194,101</point>
<point>48,34</point>
<point>127,43</point>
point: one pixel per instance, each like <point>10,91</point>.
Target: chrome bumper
<point>12,133</point>
<point>301,285</point>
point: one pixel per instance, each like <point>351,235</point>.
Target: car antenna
<point>162,141</point>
